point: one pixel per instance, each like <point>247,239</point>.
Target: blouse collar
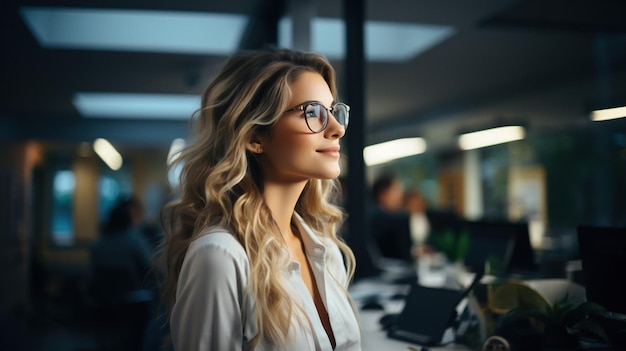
<point>312,243</point>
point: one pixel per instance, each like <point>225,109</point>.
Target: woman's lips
<point>330,151</point>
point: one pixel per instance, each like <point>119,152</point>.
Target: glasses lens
<point>316,117</point>
<point>341,113</point>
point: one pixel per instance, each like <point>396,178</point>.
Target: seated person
<point>388,221</point>
<point>415,203</point>
<point>120,263</point>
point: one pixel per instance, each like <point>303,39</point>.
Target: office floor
<point>47,328</point>
<point>56,326</point>
<point>63,338</point>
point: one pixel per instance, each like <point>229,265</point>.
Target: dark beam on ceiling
<point>262,27</point>
<point>570,16</point>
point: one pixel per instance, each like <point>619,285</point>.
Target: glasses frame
<point>302,107</point>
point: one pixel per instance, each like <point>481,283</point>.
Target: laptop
<point>427,313</point>
<point>603,259</point>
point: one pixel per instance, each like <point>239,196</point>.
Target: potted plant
<point>453,246</point>
<point>566,324</point>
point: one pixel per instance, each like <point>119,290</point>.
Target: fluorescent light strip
<point>140,106</point>
<point>392,150</point>
<point>384,41</point>
<point>608,113</point>
<point>135,30</point>
<point>490,137</point>
<point>108,153</point>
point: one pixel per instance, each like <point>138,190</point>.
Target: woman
<point>252,256</point>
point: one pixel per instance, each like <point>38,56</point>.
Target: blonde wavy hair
<point>221,183</point>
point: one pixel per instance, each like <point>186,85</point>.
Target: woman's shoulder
<point>218,239</point>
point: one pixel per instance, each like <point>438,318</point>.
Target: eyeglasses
<point>316,114</point>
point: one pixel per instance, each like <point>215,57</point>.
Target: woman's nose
<point>334,128</point>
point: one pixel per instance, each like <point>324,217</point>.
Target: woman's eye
<point>311,111</point>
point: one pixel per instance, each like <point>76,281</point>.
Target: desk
<point>387,294</point>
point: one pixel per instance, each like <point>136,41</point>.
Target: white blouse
<point>213,313</point>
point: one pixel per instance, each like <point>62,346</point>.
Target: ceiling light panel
<point>213,33</point>
<point>384,41</point>
<point>136,106</point>
<point>135,30</point>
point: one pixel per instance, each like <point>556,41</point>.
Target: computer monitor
<point>603,259</point>
<point>488,246</point>
<point>496,236</point>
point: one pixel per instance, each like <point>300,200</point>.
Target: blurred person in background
<point>120,264</point>
<point>388,220</point>
<point>416,204</point>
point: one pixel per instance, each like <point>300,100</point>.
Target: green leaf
<point>589,327</point>
<point>581,311</point>
<point>462,245</point>
<point>611,315</point>
<point>536,313</point>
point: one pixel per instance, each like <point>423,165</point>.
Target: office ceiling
<point>544,63</point>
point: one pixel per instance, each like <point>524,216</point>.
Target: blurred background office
<point>96,97</point>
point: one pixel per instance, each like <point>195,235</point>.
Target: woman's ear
<point>254,146</point>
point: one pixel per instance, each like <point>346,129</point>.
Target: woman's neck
<point>281,199</point>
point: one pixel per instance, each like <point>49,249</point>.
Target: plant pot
<point>556,338</point>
